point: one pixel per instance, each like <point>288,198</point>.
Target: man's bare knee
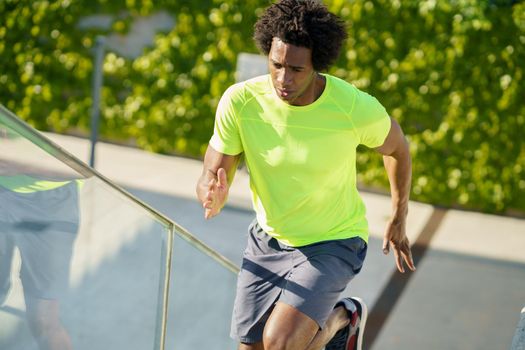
<point>275,340</point>
<point>288,329</point>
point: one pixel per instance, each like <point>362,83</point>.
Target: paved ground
<point>466,294</point>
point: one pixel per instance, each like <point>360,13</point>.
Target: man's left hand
<point>395,238</point>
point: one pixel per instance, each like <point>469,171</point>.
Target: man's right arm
<point>213,185</point>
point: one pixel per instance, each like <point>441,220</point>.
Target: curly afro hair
<point>306,23</point>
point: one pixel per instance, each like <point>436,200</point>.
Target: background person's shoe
<point>351,336</point>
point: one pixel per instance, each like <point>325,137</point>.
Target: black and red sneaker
<point>351,336</point>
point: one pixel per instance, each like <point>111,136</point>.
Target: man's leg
<point>336,321</point>
<point>43,316</point>
<point>313,288</point>
<point>289,329</point>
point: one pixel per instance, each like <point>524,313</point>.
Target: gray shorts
<point>43,226</point>
<point>309,278</point>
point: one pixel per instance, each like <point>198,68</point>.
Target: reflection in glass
<point>40,217</point>
<point>84,265</point>
<point>201,301</point>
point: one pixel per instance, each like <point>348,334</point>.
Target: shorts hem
<point>298,306</point>
<point>246,340</point>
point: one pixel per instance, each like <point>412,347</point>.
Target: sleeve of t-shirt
<point>371,120</point>
<point>226,138</point>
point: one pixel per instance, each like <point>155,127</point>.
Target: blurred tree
<point>450,71</point>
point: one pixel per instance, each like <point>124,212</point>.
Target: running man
<point>298,129</point>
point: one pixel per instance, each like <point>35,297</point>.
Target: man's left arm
<point>398,165</point>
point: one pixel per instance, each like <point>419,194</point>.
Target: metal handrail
<point>61,154</point>
<point>29,133</point>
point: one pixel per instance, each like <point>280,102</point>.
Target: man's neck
<point>312,91</point>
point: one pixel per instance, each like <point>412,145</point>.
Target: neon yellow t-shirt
<point>29,184</point>
<point>302,159</point>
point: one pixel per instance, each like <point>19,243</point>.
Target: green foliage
<point>176,86</point>
<point>451,72</point>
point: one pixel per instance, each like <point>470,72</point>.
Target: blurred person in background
<point>39,216</point>
<point>298,129</point>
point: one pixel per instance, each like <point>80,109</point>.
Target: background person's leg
<point>43,316</point>
<point>44,273</point>
<point>7,249</point>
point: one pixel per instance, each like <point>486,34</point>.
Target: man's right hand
<point>216,195</point>
<point>214,183</point>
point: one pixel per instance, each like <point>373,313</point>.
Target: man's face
<point>291,71</point>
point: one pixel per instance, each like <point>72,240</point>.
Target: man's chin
<point>288,98</point>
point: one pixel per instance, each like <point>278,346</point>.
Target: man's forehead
<point>290,54</point>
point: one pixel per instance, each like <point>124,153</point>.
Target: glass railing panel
<point>97,262</point>
<point>82,265</point>
<point>202,292</point>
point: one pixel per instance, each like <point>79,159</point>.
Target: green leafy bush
<point>451,72</point>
